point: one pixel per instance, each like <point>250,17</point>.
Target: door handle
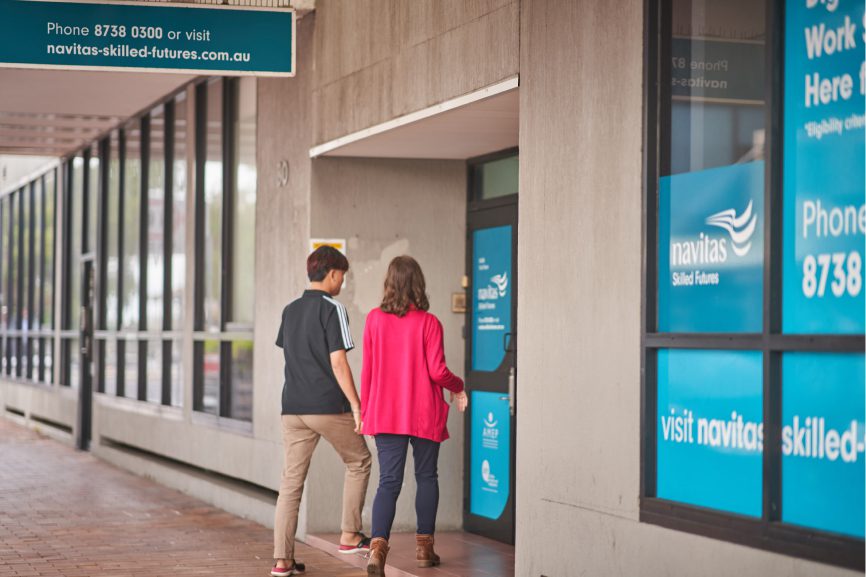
<point>512,382</point>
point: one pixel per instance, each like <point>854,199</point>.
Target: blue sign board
<point>711,250</point>
<point>710,435</point>
<point>823,441</point>
<point>491,296</point>
<point>824,168</point>
<point>490,483</point>
<point>166,37</point>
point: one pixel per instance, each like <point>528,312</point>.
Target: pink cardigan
<point>403,375</point>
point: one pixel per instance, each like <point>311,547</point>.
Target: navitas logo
<point>497,291</point>
<point>709,250</point>
<point>740,228</point>
<point>501,282</point>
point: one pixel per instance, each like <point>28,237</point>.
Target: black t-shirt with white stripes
<point>313,327</point>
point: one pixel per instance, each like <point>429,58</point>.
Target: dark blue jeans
<point>392,462</point>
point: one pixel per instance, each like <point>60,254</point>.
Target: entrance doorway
<point>491,346</point>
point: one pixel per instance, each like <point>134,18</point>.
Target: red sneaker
<point>295,569</point>
<point>362,546</point>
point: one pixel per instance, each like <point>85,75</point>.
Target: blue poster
<point>491,296</point>
<point>491,454</point>
<point>823,441</point>
<point>824,170</point>
<point>711,250</point>
<point>710,435</point>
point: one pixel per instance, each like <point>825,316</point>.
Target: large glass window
<point>176,216</point>
<point>213,202</point>
<point>27,280</point>
<point>226,200</point>
<point>744,425</point>
<point>4,271</point>
<point>132,289</point>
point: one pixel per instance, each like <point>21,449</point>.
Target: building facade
<point>666,197</point>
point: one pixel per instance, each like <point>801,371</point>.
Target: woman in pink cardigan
<point>402,402</point>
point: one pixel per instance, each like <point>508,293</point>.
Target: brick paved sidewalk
<point>67,513</point>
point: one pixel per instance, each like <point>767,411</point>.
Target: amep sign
<point>185,38</point>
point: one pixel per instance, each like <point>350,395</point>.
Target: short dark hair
<point>323,260</point>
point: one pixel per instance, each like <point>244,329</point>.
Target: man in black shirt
<point>319,400</point>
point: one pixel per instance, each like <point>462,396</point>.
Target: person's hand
<point>356,414</point>
<point>462,400</point>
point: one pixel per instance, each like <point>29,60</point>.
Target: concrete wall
<point>385,208</point>
<point>380,59</point>
<point>578,452</point>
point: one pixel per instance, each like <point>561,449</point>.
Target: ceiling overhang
<point>471,125</point>
<point>56,112</point>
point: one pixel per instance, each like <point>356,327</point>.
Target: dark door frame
<point>84,421</point>
<point>481,214</point>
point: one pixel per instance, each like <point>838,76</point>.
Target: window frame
<point>226,337</point>
<point>768,532</point>
<point>19,218</point>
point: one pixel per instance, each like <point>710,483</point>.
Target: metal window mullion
<point>41,313</point>
<point>229,115</point>
<point>168,244</point>
<point>19,367</point>
<point>103,208</point>
<point>120,371</point>
<point>650,257</point>
<point>772,322</point>
<point>200,152</point>
<point>143,221</point>
<point>31,275</point>
<point>66,271</point>
<point>3,271</point>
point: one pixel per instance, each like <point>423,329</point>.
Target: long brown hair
<point>404,287</point>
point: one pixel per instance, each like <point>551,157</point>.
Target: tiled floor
<point>65,513</point>
<point>463,555</point>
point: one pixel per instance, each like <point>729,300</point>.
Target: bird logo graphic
<point>501,282</point>
<point>740,228</point>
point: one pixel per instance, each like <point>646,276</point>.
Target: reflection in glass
<point>245,206</point>
<point>211,377</point>
<point>177,373</point>
<point>93,198</point>
<point>131,227</point>
<point>38,262</point>
<point>156,221</point>
<point>24,298</point>
<point>4,269</point>
<point>48,374</point>
<point>178,259</point>
<point>154,372</point>
<point>13,260</point>
<point>242,380</point>
<point>497,178</point>
<point>213,191</point>
<point>74,363</point>
<point>130,370</point>
<point>76,210</point>
<point>112,261</point>
<point>110,348</point>
<point>717,117</point>
<point>48,284</point>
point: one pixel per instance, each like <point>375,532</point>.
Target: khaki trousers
<point>301,434</point>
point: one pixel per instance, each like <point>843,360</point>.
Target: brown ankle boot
<point>424,551</point>
<point>378,554</point>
